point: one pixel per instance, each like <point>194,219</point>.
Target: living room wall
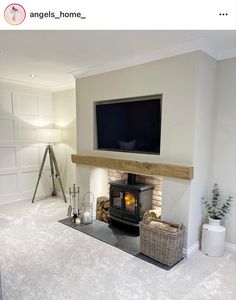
<point>203,137</point>
<point>224,140</point>
<point>176,78</point>
<point>65,119</point>
<point>188,85</point>
<point>23,109</point>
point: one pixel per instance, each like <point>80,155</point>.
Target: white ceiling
<point>55,56</point>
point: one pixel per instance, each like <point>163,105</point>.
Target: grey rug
<point>126,240</point>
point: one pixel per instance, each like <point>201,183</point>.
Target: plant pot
<point>213,238</point>
<point>214,222</point>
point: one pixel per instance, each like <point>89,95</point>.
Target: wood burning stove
<point>129,200</point>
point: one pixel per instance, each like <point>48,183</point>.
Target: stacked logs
<point>102,208</point>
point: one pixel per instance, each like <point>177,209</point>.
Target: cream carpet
<point>42,259</point>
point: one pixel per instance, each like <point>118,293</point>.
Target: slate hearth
<point>123,239</point>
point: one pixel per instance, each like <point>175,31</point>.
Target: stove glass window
<point>130,202</point>
<point>117,199</point>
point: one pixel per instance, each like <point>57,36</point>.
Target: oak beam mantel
<point>132,166</point>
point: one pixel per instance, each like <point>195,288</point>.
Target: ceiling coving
<point>55,58</point>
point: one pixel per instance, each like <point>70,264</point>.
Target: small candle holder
<point>78,219</point>
<point>87,208</point>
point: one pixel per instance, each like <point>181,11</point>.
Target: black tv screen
<point>130,125</point>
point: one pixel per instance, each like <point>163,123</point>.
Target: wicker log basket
<point>161,241</point>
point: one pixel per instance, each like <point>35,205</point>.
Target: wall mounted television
<point>129,125</point>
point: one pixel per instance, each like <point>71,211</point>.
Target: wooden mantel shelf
<point>132,166</point>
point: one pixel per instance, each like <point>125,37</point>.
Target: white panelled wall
<point>22,111</point>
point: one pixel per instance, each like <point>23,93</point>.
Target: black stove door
<point>124,204</point>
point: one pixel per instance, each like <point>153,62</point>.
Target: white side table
<point>213,238</point>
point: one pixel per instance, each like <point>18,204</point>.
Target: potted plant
<point>213,234</point>
<point>216,207</point>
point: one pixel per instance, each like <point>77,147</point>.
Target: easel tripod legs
<point>57,172</point>
<point>40,172</point>
<point>53,164</point>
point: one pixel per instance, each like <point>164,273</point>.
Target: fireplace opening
<point>129,200</point>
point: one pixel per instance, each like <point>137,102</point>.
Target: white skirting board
<point>230,247</point>
<point>187,253</point>
<point>59,194</point>
<point>24,199</point>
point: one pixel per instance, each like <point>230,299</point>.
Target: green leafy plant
<point>216,207</point>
